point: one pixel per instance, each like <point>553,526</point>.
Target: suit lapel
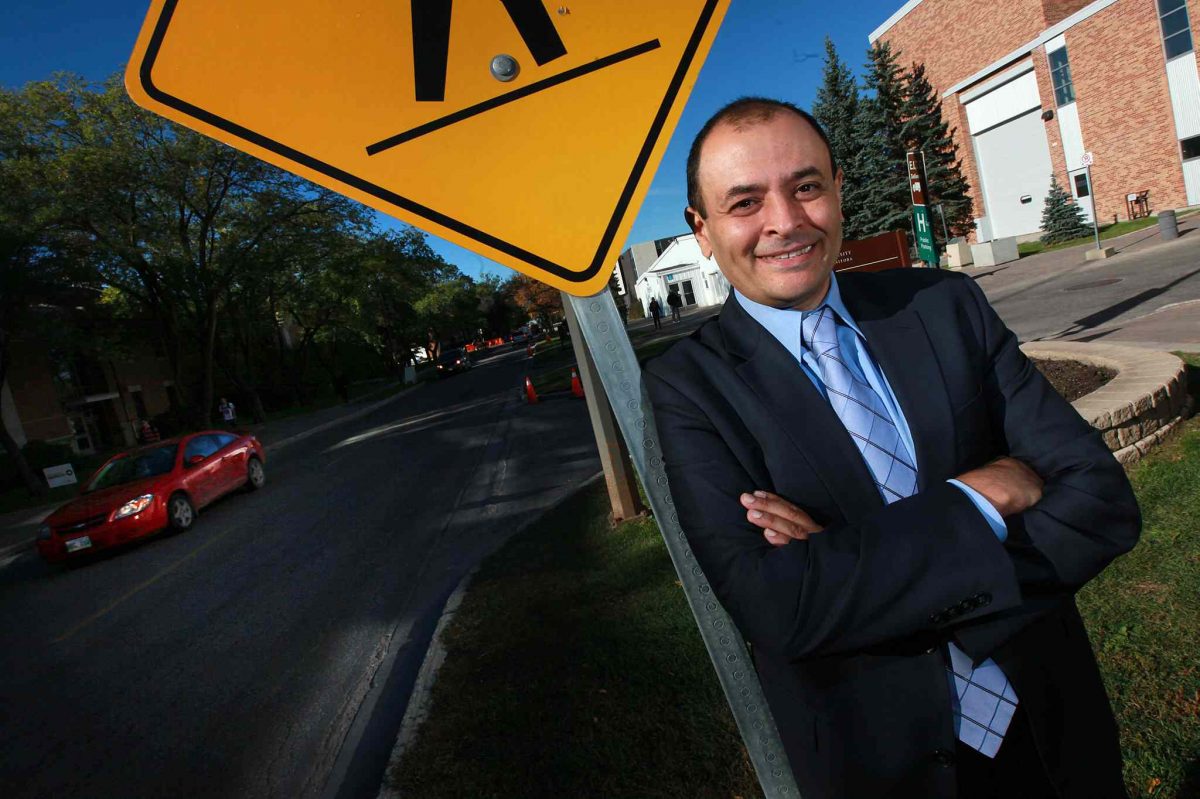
<point>800,411</point>
<point>900,344</point>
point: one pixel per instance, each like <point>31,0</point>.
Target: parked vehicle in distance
<point>454,360</point>
<point>520,336</point>
<point>152,488</point>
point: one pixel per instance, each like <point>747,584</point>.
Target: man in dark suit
<point>888,498</point>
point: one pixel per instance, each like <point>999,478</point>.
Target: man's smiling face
<point>773,209</point>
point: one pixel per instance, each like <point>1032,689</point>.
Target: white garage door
<point>1014,168</point>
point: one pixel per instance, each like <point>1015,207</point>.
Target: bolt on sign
<point>526,132</point>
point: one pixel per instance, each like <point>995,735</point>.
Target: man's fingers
<point>779,539</point>
<point>767,510</point>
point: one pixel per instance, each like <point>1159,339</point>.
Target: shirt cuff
<point>990,514</point>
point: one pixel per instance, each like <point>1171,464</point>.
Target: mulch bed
<point>1073,379</point>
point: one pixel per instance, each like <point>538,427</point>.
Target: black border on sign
<point>639,165</point>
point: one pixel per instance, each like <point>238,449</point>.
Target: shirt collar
<point>784,323</point>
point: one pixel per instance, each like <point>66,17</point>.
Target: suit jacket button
<point>943,757</point>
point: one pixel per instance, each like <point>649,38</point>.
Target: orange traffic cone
<point>576,386</point>
<point>529,350</point>
<point>530,394</point>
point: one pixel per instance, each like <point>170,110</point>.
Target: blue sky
<point>765,47</point>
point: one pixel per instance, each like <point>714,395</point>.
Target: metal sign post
<point>922,225</point>
<point>605,336</point>
<point>1087,165</point>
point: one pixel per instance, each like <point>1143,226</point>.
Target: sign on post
<point>922,224</point>
<point>62,475</point>
<point>527,135</point>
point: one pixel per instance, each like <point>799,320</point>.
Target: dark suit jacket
<point>847,626</point>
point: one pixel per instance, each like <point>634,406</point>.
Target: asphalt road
<point>1070,299</point>
<point>264,650</point>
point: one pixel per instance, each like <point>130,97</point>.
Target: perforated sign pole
<point>604,333</point>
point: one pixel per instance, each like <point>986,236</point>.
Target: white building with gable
<point>682,265</point>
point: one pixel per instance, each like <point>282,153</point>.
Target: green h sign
<point>922,224</point>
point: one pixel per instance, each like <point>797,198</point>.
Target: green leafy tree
<point>923,128</point>
<point>399,296</point>
<point>836,108</point>
<point>1062,218</point>
<point>883,201</point>
<point>34,264</point>
<point>171,218</point>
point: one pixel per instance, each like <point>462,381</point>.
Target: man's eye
<point>807,188</point>
<point>744,204</point>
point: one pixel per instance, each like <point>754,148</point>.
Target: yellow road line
<point>140,587</point>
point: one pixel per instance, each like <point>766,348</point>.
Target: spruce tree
<point>835,108</point>
<point>1062,218</point>
<point>883,202</point>
<point>923,128</point>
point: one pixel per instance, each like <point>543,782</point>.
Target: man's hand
<point>781,520</point>
<point>1007,483</point>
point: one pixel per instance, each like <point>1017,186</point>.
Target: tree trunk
<point>33,483</point>
<point>210,341</point>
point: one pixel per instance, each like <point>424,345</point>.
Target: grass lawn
<point>18,498</point>
<point>574,667</point>
<point>575,670</point>
<point>1106,232</point>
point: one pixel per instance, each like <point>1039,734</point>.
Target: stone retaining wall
<point>1137,407</point>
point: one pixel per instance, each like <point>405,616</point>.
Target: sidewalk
<point>1174,326</point>
<point>18,529</point>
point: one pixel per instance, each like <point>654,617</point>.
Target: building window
<point>1081,186</point>
<point>1191,147</point>
<point>1176,31</point>
<point>1060,76</point>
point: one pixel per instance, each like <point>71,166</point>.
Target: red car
<point>152,488</point>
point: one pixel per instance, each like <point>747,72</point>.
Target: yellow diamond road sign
<point>523,130</point>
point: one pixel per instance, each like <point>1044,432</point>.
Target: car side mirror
<point>195,459</point>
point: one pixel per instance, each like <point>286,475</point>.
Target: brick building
<point>1033,85</point>
<point>86,402</point>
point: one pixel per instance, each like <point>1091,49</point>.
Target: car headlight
<point>44,533</point>
<point>133,506</point>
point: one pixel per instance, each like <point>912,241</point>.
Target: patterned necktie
<point>984,701</point>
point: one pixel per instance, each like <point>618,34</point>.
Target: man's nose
<point>784,213</point>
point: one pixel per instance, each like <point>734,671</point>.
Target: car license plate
<point>76,544</point>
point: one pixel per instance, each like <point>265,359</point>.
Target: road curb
<point>419,701</point>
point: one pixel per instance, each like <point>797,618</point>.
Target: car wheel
<point>256,475</point>
<point>180,513</point>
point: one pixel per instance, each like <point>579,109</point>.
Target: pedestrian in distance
<point>147,432</point>
<point>890,501</point>
<point>656,313</point>
<point>675,301</point>
<point>228,412</point>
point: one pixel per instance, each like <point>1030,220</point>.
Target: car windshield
<point>135,466</point>
<point>450,356</point>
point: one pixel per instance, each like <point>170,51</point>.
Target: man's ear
<point>837,182</point>
<point>696,223</point>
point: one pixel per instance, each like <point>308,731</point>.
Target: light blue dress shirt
<point>784,325</point>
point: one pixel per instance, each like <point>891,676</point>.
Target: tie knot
<point>818,330</point>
